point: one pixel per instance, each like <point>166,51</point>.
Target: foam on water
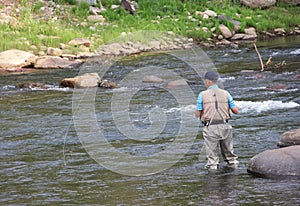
<point>263,106</point>
<point>297,51</point>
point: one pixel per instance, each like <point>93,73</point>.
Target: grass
<point>29,28</point>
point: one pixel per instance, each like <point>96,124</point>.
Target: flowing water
<point>43,160</point>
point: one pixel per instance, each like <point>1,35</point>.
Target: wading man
<point>213,109</point>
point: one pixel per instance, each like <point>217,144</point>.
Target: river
<point>46,159</point>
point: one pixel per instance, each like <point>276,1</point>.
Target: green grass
<point>164,15</point>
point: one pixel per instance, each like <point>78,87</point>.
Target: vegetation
<point>33,26</point>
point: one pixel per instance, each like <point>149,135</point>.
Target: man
<point>213,108</point>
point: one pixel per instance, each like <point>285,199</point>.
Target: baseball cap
<point>212,76</point>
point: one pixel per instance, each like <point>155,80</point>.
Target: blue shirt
<point>200,101</point>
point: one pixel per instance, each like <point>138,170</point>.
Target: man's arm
<point>199,109</point>
<point>232,106</point>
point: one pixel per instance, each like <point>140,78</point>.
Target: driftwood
<point>268,63</point>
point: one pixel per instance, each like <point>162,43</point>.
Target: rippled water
<point>44,162</point>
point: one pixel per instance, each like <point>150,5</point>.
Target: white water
<point>263,106</point>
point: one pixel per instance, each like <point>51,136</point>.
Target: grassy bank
<point>33,29</point>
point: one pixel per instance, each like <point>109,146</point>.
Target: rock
<point>79,42</point>
<point>258,3</point>
<point>290,138</point>
<point>225,31</point>
<point>279,31</point>
<point>152,79</point>
<point>276,163</point>
<point>54,51</point>
<point>210,13</point>
<point>176,83</point>
<point>251,31</point>
<point>237,24</point>
<point>86,80</point>
<point>244,37</point>
<point>278,87</point>
<point>96,18</point>
<point>30,85</point>
<point>49,62</point>
<point>16,58</point>
<point>107,84</point>
<point>290,2</point>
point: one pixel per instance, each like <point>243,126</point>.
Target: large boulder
<point>258,3</point>
<point>276,163</point>
<point>83,81</point>
<point>16,59</point>
<point>290,138</point>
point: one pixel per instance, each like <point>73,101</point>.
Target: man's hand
<point>198,113</point>
<point>235,110</point>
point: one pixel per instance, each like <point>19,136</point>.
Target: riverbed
<point>47,159</point>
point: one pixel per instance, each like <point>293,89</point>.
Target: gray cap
<point>212,76</point>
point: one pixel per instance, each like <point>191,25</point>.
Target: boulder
<point>54,51</point>
<point>290,138</point>
<point>176,83</point>
<point>258,3</point>
<point>51,62</point>
<point>291,2</point>
<point>83,81</point>
<point>152,79</point>
<point>225,31</point>
<point>251,31</point>
<point>276,163</point>
<point>16,59</point>
<point>79,42</point>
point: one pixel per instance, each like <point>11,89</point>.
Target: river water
<point>43,160</point>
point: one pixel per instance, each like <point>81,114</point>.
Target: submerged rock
<point>152,79</point>
<point>276,163</point>
<point>30,85</point>
<point>107,84</point>
<point>290,138</point>
<point>84,81</point>
<point>176,83</point>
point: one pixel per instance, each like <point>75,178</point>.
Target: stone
<point>79,42</point>
<point>30,85</point>
<point>96,18</point>
<point>86,80</point>
<point>54,51</point>
<point>290,2</point>
<point>251,31</point>
<point>278,87</point>
<point>237,24</point>
<point>152,79</point>
<point>49,62</point>
<point>225,31</point>
<point>279,163</point>
<point>107,84</point>
<point>176,83</point>
<point>258,3</point>
<point>279,31</point>
<point>16,59</point>
<point>290,138</point>
<point>210,13</point>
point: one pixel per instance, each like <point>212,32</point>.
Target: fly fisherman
<point>213,109</point>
